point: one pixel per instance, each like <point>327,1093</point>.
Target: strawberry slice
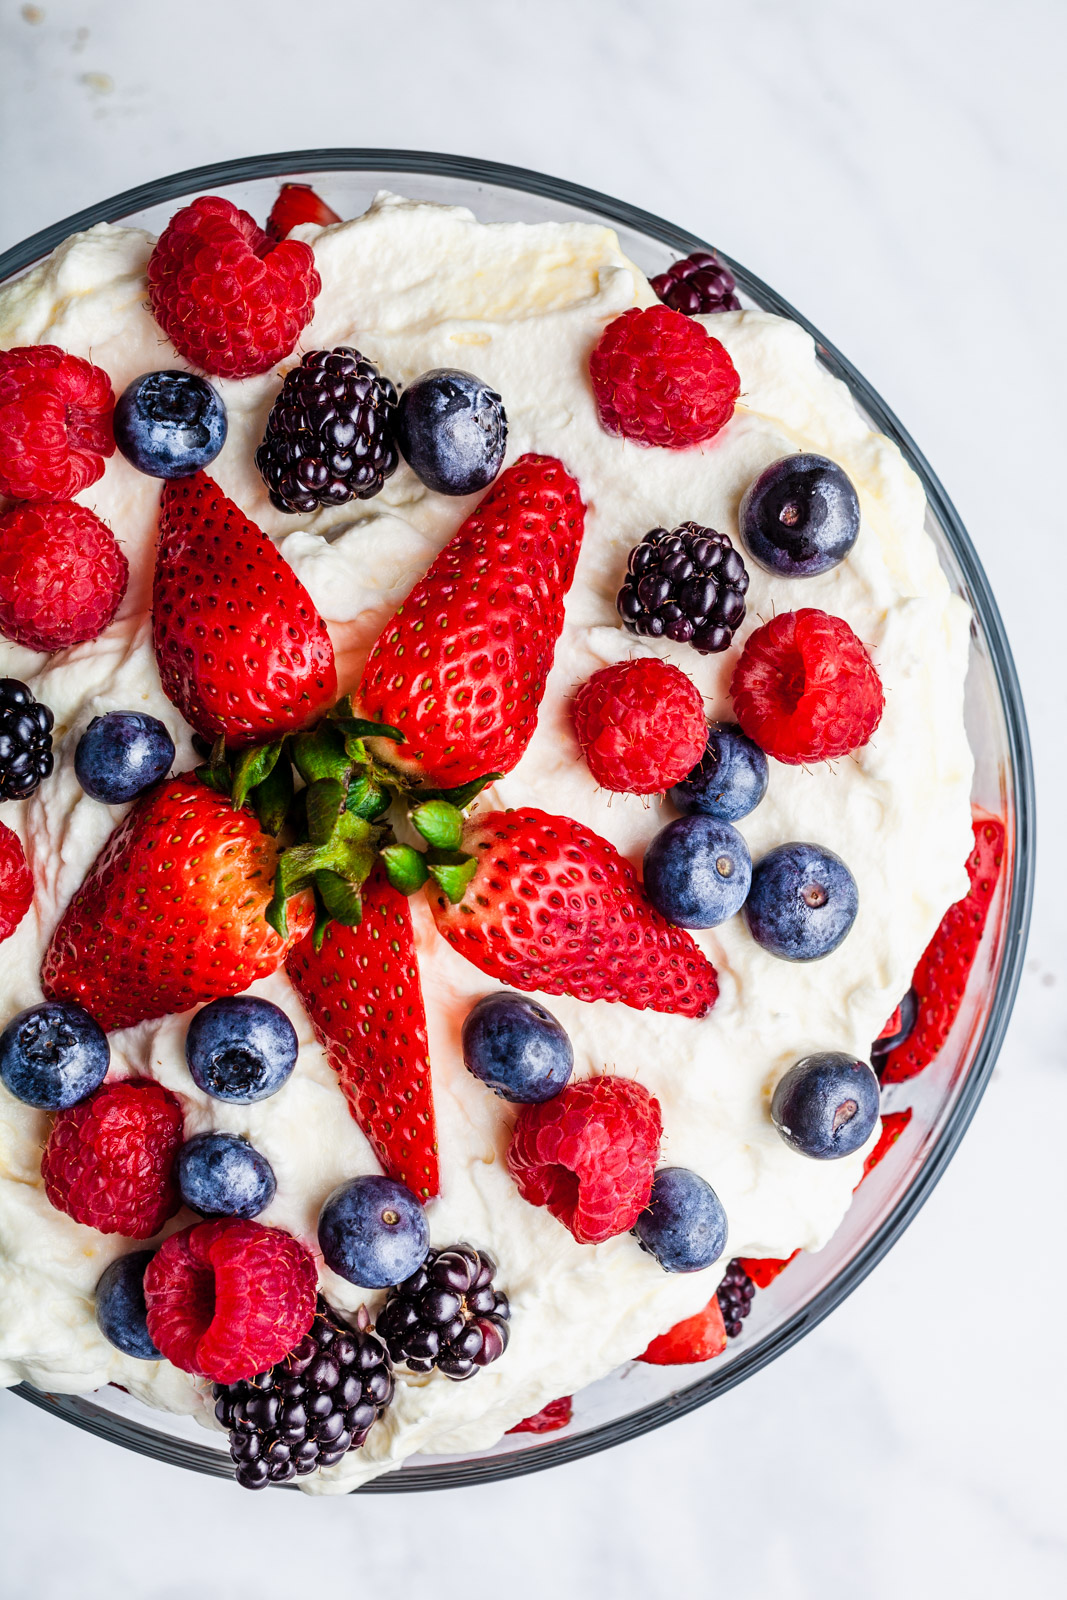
<point>941,976</point>
<point>361,990</point>
<point>893,1125</point>
<point>698,1338</point>
<point>764,1269</point>
<point>549,1419</point>
<point>240,647</point>
<point>297,203</point>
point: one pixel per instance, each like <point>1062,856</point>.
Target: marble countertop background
<point>898,172</point>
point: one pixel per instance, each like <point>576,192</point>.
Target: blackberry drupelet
<point>697,286</point>
<point>318,1402</point>
<point>688,585</point>
<point>735,1294</point>
<point>447,1314</point>
<point>25,741</point>
<point>329,435</point>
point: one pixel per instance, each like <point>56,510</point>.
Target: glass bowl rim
<point>488,1469</point>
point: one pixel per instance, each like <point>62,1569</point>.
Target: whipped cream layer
<point>415,286</point>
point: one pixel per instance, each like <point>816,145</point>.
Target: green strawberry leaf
<point>252,767</point>
<point>453,875</point>
<point>321,754</point>
<point>462,796</point>
<point>367,798</point>
<point>273,797</point>
<point>405,867</point>
<point>341,899</point>
<point>325,801</point>
<point>440,824</point>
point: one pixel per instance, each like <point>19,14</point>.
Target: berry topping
<point>311,1407</point>
<point>589,1155</point>
<point>802,903</point>
<point>659,378</point>
<point>241,1049</point>
<point>121,754</point>
<point>221,1175</point>
<point>329,435</point>
<point>16,882</point>
<point>297,203</point>
<point>729,780</point>
<point>227,1299</point>
<point>699,1338</point>
<point>735,1294</point>
<point>229,300</point>
<point>452,431</point>
<point>53,1055</point>
<point>55,423</point>
<point>640,724</point>
<point>447,1314</point>
<point>121,1314</point>
<point>897,1030</point>
<point>515,921</point>
<point>805,688</point>
<point>516,1046</point>
<point>557,1414</point>
<point>697,286</point>
<point>688,585</point>
<point>697,872</point>
<point>240,647</point>
<point>764,1269</point>
<point>826,1106</point>
<point>109,1161</point>
<point>684,1225</point>
<point>373,1231</point>
<point>800,517</point>
<point>170,424</point>
<point>62,576</point>
<point>25,741</point>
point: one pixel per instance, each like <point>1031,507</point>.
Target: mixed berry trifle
<point>481,756</point>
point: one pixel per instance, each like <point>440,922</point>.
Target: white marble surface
<point>898,172</point>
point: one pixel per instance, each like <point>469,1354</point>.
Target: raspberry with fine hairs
<point>109,1160</point>
<point>805,688</point>
<point>16,882</point>
<point>641,725</point>
<point>228,298</point>
<point>55,423</point>
<point>62,576</point>
<point>660,378</point>
<point>589,1155</point>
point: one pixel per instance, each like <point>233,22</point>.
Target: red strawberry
<point>553,906</point>
<point>461,668</point>
<point>297,203</point>
<point>941,976</point>
<point>764,1269</point>
<point>698,1338</point>
<point>172,910</point>
<point>893,1125</point>
<point>363,995</point>
<point>240,647</point>
<point>557,1414</point>
<point>16,882</point>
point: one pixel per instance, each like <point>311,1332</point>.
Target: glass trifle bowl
<point>638,1397</point>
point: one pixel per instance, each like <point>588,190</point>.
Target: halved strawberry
<point>893,1125</point>
<point>764,1269</point>
<point>297,203</point>
<point>698,1338</point>
<point>557,1414</point>
<point>361,990</point>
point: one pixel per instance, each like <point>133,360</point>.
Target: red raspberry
<point>62,576</point>
<point>16,882</point>
<point>805,688</point>
<point>230,300</point>
<point>228,1299</point>
<point>698,1338</point>
<point>641,725</point>
<point>55,423</point>
<point>660,378</point>
<point>109,1161</point>
<point>557,1414</point>
<point>589,1155</point>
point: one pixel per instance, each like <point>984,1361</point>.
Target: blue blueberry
<point>374,1232</point>
<point>120,1307</point>
<point>170,424</point>
<point>53,1055</point>
<point>121,754</point>
<point>697,872</point>
<point>802,903</point>
<point>241,1049</point>
<point>221,1175</point>
<point>800,517</point>
<point>730,779</point>
<point>826,1106</point>
<point>684,1225</point>
<point>517,1047</point>
<point>452,430</point>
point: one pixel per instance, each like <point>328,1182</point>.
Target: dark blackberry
<point>329,435</point>
<point>735,1294</point>
<point>909,1015</point>
<point>447,1314</point>
<point>318,1402</point>
<point>688,585</point>
<point>697,286</point>
<point>25,741</point>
